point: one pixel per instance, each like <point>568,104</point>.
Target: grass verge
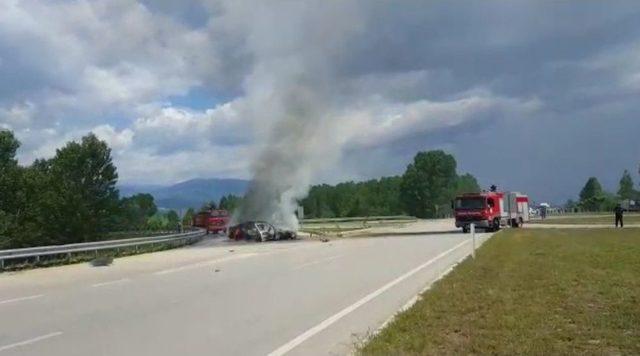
<point>550,292</point>
<point>337,227</point>
<point>629,218</point>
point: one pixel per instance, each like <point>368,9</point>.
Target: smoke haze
<point>292,98</point>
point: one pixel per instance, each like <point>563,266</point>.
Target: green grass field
<point>534,292</point>
<point>599,219</point>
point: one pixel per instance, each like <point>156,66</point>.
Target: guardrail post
<point>473,240</point>
<point>2,263</point>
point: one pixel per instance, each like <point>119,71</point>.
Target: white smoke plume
<point>292,98</point>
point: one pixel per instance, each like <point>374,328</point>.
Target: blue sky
<point>533,96</point>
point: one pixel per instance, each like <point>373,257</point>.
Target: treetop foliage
<point>69,198</point>
<point>72,197</point>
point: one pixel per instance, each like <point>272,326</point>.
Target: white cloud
<point>388,75</point>
<point>377,122</point>
<point>118,141</point>
<point>17,116</point>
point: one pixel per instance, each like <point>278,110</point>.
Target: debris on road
<point>102,261</point>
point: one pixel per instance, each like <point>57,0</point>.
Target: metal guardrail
<point>68,249</point>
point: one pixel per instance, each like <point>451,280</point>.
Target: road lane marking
<point>30,341</point>
<point>317,262</point>
<point>21,299</point>
<point>418,296</point>
<point>339,315</point>
<point>108,283</point>
<point>204,263</point>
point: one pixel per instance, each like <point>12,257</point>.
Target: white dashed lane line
<point>108,283</point>
<point>30,341</point>
<point>203,264</point>
<point>20,299</point>
<point>323,260</point>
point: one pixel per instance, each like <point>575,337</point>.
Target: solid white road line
<point>339,315</point>
<point>108,283</point>
<point>21,299</point>
<point>30,341</point>
<point>317,262</point>
<point>204,264</point>
<point>418,296</point>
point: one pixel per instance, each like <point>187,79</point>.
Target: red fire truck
<point>491,210</point>
<point>215,221</point>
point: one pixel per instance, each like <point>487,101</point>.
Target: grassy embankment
<point>589,219</point>
<point>337,226</point>
<point>529,292</point>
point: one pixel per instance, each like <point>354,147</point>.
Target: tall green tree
<point>135,211</point>
<point>428,183</point>
<point>8,147</point>
<point>625,190</point>
<point>173,220</point>
<point>9,186</point>
<point>83,180</point>
<point>592,195</point>
<point>467,183</point>
<point>187,219</point>
<point>35,195</point>
<point>570,205</point>
<point>230,202</point>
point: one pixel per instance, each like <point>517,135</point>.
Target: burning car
<point>259,231</point>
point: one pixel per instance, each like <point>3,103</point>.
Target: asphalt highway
<point>223,298</point>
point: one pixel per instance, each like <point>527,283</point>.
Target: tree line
<point>72,197</point>
<point>594,198</point>
<point>425,190</point>
<point>69,198</point>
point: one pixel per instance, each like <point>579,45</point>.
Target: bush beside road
<point>530,292</point>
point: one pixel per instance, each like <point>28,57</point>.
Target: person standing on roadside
<point>619,211</point>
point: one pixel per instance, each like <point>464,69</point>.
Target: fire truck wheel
<point>496,225</point>
<point>465,230</point>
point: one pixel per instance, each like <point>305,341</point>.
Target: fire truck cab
<point>215,221</point>
<point>491,210</point>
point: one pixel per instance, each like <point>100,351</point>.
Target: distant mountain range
<point>188,194</point>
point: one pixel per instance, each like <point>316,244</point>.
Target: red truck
<point>491,210</point>
<point>215,221</point>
